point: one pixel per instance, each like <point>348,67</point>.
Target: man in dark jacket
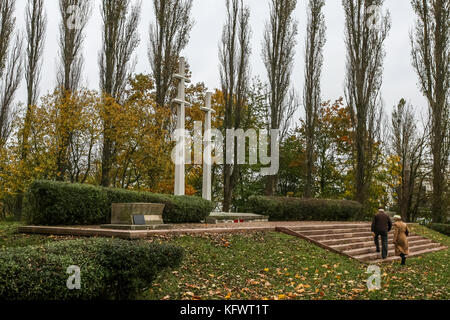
<point>381,225</point>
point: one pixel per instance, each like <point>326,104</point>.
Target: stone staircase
<point>355,241</point>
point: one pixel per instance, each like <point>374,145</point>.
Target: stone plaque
<point>139,220</point>
<point>123,213</point>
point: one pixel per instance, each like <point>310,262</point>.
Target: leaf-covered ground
<point>276,266</point>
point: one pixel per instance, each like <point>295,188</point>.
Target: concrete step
<point>360,238</point>
<point>329,226</point>
<point>333,242</point>
<point>370,248</point>
<point>376,255</point>
<point>348,235</point>
<point>364,244</point>
<point>411,255</point>
<point>319,232</point>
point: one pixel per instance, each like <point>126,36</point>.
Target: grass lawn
<point>277,266</point>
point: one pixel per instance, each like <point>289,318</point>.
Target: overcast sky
<point>400,79</point>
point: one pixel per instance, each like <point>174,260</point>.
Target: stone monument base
<point>136,216</point>
<point>136,227</point>
<point>223,217</point>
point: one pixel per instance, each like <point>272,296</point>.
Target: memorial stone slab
<point>123,213</point>
<point>139,220</point>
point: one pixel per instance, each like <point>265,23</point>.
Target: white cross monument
<point>181,126</point>
<point>207,158</point>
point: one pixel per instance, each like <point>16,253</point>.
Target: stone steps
<point>412,255</point>
<point>325,226</point>
<point>368,247</point>
<point>339,236</point>
<point>332,231</point>
<point>348,244</point>
<point>333,242</point>
<point>355,240</point>
<point>412,249</point>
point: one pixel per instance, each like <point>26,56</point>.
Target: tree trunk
<point>271,184</point>
<point>309,167</point>
<point>106,164</point>
<point>360,163</point>
<point>438,178</point>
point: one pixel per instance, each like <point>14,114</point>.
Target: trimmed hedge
<point>296,209</point>
<point>59,203</point>
<point>441,227</point>
<point>109,269</point>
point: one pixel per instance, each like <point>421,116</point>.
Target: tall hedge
<point>296,209</point>
<point>59,203</point>
<point>109,269</point>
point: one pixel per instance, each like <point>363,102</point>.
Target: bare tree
<point>36,24</point>
<point>278,55</point>
<point>7,21</point>
<point>431,60</point>
<point>408,146</point>
<point>120,39</point>
<point>315,41</point>
<point>365,57</point>
<point>169,34</point>
<point>9,83</point>
<point>10,66</point>
<point>234,53</point>
<point>291,105</point>
<point>74,17</point>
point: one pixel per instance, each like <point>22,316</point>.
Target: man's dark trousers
<point>384,243</point>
